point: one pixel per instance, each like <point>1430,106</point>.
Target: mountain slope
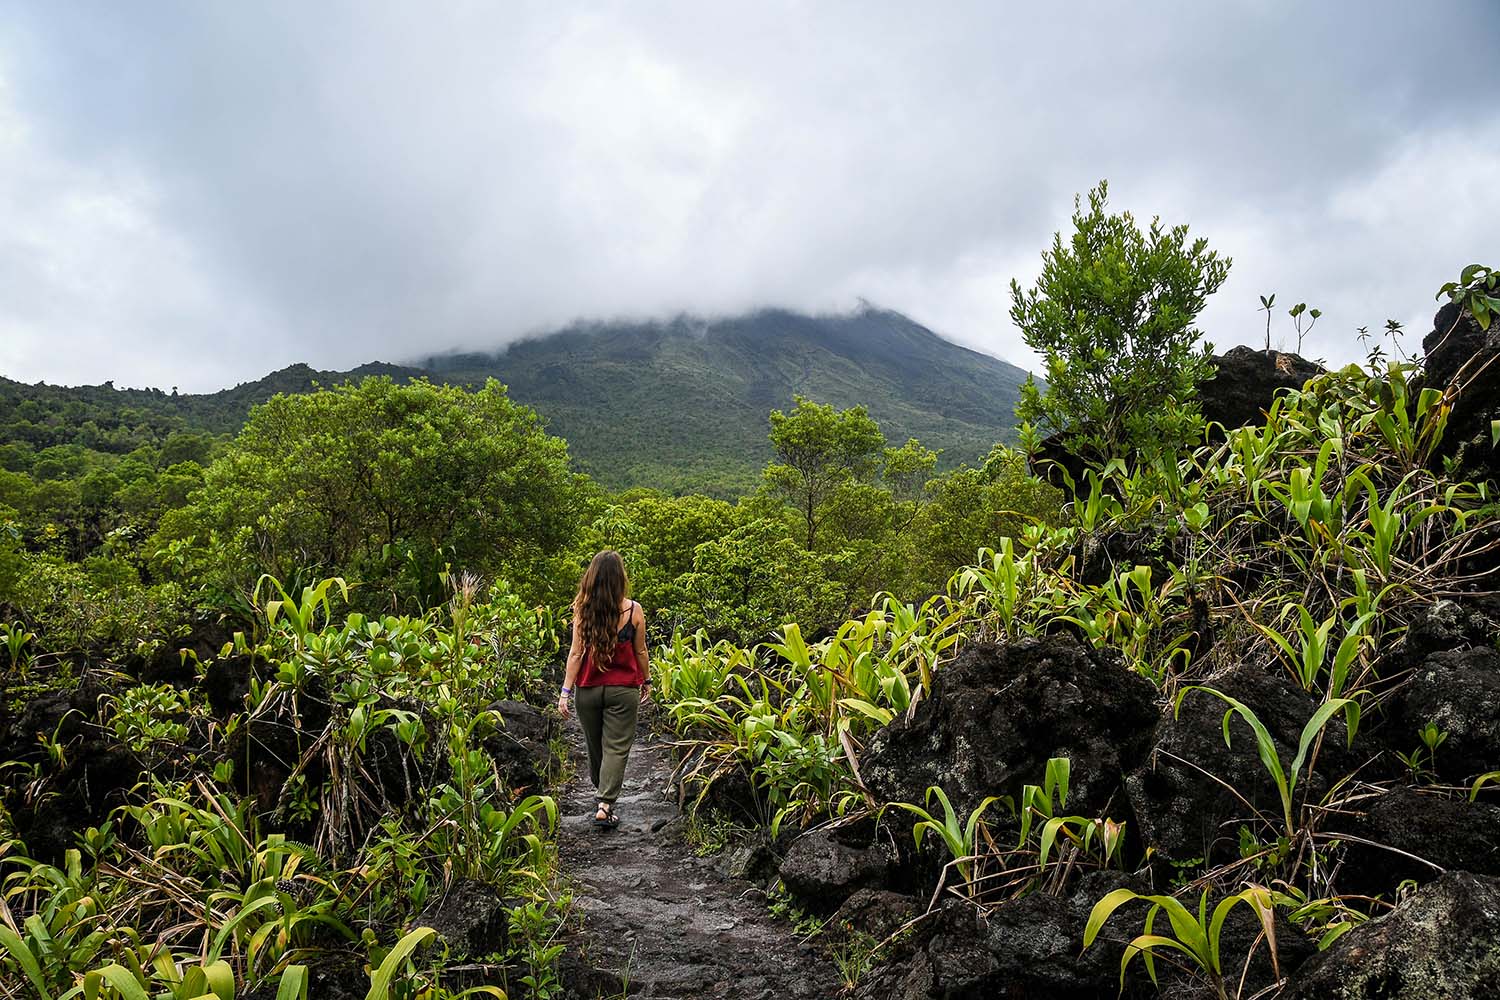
<point>683,404</point>
<point>677,405</point>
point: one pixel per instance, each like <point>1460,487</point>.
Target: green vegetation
<point>1312,542</point>
<point>1112,315</point>
<point>267,675</point>
<point>390,483</point>
<point>196,879</point>
<point>1197,936</point>
<point>333,557</point>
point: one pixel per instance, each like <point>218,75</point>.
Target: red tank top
<point>622,669</point>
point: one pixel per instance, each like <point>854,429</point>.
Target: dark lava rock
<point>821,871</point>
<point>227,682</point>
<point>711,785</point>
<point>876,913</point>
<point>66,716</point>
<point>1028,947</point>
<point>1458,691</point>
<point>471,918</point>
<point>1458,348</point>
<point>522,746</point>
<point>1441,944</point>
<point>1245,382</point>
<point>341,977</point>
<point>1179,795</point>
<point>581,979</point>
<point>177,661</point>
<point>1033,947</point>
<point>268,748</point>
<point>1056,463</point>
<point>1446,625</point>
<point>1451,833</point>
<point>756,860</point>
<point>998,713</point>
<point>98,775</point>
<point>1102,557</point>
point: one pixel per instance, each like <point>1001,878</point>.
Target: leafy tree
<point>387,483</point>
<point>1112,315</point>
<point>756,579</point>
<point>969,509</point>
<point>818,451</point>
<point>658,536</point>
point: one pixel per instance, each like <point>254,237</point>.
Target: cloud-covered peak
<point>198,193</point>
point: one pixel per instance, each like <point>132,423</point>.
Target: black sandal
<point>610,820</point>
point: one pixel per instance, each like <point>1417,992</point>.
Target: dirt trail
<point>671,923</point>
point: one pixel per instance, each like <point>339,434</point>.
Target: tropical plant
<point>1112,316</point>
<point>964,839</point>
<point>1285,777</point>
<point>1197,937</point>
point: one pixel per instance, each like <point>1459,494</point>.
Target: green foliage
<point>384,483</point>
<point>150,719</point>
<point>963,839</point>
<point>970,509</point>
<point>755,579</point>
<point>195,880</point>
<point>792,713</point>
<point>1284,776</point>
<point>821,452</point>
<point>1112,315</point>
<point>1477,291</point>
<point>659,536</point>
<point>99,606</point>
<point>1195,936</point>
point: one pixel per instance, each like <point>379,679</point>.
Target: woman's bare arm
<point>642,654</point>
<point>570,671</point>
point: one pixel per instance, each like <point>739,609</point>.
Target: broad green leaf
<point>1310,732</point>
<point>12,943</point>
<point>1102,910</point>
<point>380,979</point>
<point>293,984</point>
<point>124,982</point>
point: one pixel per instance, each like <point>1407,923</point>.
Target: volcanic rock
<point>996,715</point>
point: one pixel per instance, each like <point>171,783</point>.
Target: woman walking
<point>608,675</point>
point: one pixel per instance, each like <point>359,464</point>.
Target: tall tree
<point>818,450</point>
<point>371,480</point>
<point>1112,315</point>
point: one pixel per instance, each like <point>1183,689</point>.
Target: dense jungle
<point>1189,687</point>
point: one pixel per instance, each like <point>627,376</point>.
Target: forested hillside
<point>1206,698</point>
<point>682,405</point>
<point>679,405</point>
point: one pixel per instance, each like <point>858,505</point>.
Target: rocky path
<point>658,921</point>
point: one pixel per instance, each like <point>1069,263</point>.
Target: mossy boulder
<point>1441,944</point>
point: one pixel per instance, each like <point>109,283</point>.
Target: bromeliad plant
<point>1285,777</point>
<point>1195,936</point>
<point>184,883</point>
<point>967,841</point>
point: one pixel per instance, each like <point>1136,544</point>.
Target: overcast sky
<point>196,193</point>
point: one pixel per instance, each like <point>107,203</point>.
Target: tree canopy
<point>1112,315</point>
<point>388,480</point>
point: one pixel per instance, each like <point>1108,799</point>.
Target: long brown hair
<point>601,593</point>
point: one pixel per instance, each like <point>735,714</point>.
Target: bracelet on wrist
<point>567,690</point>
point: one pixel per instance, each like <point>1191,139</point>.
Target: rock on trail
<point>657,920</point>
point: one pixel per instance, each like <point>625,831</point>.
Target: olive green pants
<point>607,714</point>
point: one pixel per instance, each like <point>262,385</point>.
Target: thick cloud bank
<point>195,193</point>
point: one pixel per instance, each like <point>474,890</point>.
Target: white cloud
<point>198,193</point>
